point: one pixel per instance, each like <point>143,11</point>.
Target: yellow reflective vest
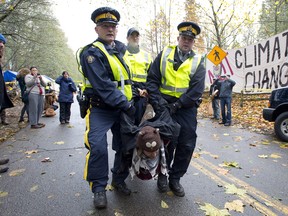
<point>121,75</point>
<point>175,83</point>
<point>138,64</point>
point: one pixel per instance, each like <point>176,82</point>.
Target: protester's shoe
<point>100,200</point>
<point>4,161</point>
<point>35,126</point>
<point>5,123</point>
<point>162,183</point>
<point>41,124</point>
<point>227,124</point>
<point>176,188</point>
<point>221,122</point>
<point>21,120</point>
<point>62,122</point>
<point>67,121</point>
<point>4,169</point>
<point>122,188</point>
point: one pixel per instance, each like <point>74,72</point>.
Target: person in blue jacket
<point>65,98</point>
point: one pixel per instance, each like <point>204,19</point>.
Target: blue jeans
<point>216,108</point>
<point>225,103</point>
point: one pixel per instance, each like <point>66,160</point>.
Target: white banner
<point>260,67</point>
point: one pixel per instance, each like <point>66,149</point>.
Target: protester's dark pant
<point>99,122</point>
<point>186,143</point>
<point>140,104</point>
<point>225,102</point>
<point>65,111</point>
<point>216,108</point>
<point>25,108</point>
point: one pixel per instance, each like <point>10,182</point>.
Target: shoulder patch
<point>90,59</point>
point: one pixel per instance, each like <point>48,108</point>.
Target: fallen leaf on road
<point>235,205</point>
<point>232,189</point>
<point>16,172</point>
<point>263,156</point>
<point>3,193</point>
<point>34,188</point>
<point>237,138</point>
<point>223,171</point>
<point>230,164</point>
<point>213,211</point>
<point>59,143</point>
<point>31,152</point>
<point>170,193</point>
<point>284,146</point>
<point>164,204</point>
<point>117,213</point>
<point>109,187</point>
<point>47,159</point>
<point>275,156</point>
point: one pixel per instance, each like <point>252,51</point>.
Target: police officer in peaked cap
<point>107,86</point>
<point>189,29</point>
<point>176,81</point>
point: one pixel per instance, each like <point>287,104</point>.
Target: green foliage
<point>273,18</point>
<point>35,39</point>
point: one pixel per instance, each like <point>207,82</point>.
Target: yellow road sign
<point>216,55</point>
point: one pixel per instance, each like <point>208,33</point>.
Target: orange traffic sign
<point>216,55</point>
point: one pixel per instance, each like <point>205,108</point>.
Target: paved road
<point>36,188</point>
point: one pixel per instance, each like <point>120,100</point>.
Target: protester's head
<point>33,70</point>
<point>187,34</point>
<point>2,45</point>
<point>106,20</point>
<point>133,36</point>
<point>65,74</point>
<point>24,71</point>
<point>149,141</point>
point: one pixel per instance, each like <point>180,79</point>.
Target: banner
<point>260,67</point>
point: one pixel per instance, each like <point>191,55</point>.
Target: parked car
<point>277,112</point>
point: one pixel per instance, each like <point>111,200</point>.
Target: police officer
<point>139,63</point>
<point>176,82</point>
<point>108,87</point>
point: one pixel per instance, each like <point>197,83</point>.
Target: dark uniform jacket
<point>97,70</point>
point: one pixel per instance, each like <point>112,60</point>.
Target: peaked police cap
<point>105,14</point>
<point>189,29</point>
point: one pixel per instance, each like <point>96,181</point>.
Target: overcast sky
<point>74,17</point>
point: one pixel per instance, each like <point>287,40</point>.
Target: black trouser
<point>65,111</point>
<point>140,104</point>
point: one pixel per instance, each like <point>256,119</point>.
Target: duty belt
<point>126,82</point>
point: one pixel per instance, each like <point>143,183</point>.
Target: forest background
<point>47,33</point>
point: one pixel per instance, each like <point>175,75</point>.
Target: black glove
<point>130,111</point>
<point>174,107</point>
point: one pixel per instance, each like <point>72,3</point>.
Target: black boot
<point>100,200</point>
<point>176,187</point>
<point>4,161</point>
<point>4,169</point>
<point>162,183</point>
<point>122,188</point>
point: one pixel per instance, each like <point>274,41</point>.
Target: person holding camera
<point>35,85</point>
<point>65,98</point>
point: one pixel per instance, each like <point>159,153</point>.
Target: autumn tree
<point>225,22</point>
<point>274,18</point>
<point>192,15</point>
